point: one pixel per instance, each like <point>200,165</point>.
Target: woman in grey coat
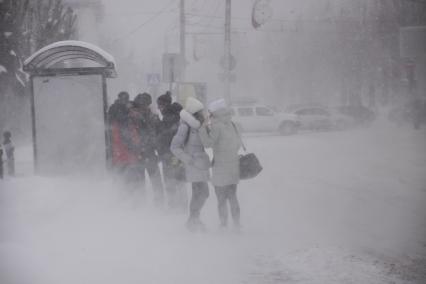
<point>222,137</point>
<point>187,147</point>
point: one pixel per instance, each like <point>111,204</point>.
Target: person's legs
<point>181,196</point>
<point>157,184</point>
<point>170,184</point>
<point>234,204</point>
<point>134,176</point>
<point>221,194</point>
<point>11,167</point>
<point>134,180</point>
<point>200,192</point>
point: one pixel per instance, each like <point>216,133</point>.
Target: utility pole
<point>227,53</point>
<point>182,39</point>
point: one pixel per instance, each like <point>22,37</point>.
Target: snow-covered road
<point>336,207</point>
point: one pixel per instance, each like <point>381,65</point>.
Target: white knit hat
<point>192,105</point>
<point>217,105</point>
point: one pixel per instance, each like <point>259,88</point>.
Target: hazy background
<point>273,63</point>
<point>329,207</point>
<point>323,51</point>
<point>332,52</point>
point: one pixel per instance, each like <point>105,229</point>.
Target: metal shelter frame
<point>70,58</point>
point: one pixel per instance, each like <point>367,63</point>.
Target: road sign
<point>172,67</point>
<point>153,79</point>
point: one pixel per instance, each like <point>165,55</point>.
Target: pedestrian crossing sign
<point>153,79</point>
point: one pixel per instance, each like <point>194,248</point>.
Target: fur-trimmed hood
<point>223,115</point>
<point>189,119</point>
<point>192,105</point>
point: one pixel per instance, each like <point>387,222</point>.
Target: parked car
<point>261,118</point>
<point>361,114</point>
<point>315,117</point>
<point>410,113</point>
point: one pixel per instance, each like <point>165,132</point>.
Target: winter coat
<point>167,129</point>
<point>223,138</point>
<point>1,162</point>
<point>124,136</point>
<point>187,147</point>
<point>146,124</point>
<point>118,113</point>
<point>9,149</point>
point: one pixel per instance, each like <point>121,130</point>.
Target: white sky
<point>123,17</point>
<point>135,28</point>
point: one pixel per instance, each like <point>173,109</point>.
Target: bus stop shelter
<point>69,107</point>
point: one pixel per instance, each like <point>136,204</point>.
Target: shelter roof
<point>70,57</point>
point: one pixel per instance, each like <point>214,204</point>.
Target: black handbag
<point>250,165</point>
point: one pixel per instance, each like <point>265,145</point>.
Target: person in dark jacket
<point>121,140</point>
<point>1,162</point>
<point>119,110</point>
<point>10,152</point>
<point>168,124</point>
<point>175,188</point>
<point>125,141</point>
<point>146,123</point>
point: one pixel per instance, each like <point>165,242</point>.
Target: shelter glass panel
<point>70,130</point>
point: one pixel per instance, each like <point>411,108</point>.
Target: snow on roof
<point>69,43</point>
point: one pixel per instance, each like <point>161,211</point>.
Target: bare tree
<point>26,26</point>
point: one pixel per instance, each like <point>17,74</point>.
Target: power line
<point>417,1</point>
<point>218,4</point>
<point>323,20</point>
<point>203,21</point>
<point>162,11</point>
<point>136,13</point>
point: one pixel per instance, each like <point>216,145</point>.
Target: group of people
<point>141,141</point>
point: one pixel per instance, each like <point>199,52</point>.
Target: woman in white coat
<point>187,147</point>
<point>221,135</point>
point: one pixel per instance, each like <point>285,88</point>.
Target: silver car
<point>261,118</point>
<point>320,118</point>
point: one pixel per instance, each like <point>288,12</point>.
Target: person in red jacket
<point>124,138</point>
<point>143,124</point>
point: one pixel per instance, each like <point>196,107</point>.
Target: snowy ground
<point>336,207</point>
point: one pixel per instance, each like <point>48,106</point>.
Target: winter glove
<point>175,161</point>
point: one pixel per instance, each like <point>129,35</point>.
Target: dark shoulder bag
<point>250,165</point>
